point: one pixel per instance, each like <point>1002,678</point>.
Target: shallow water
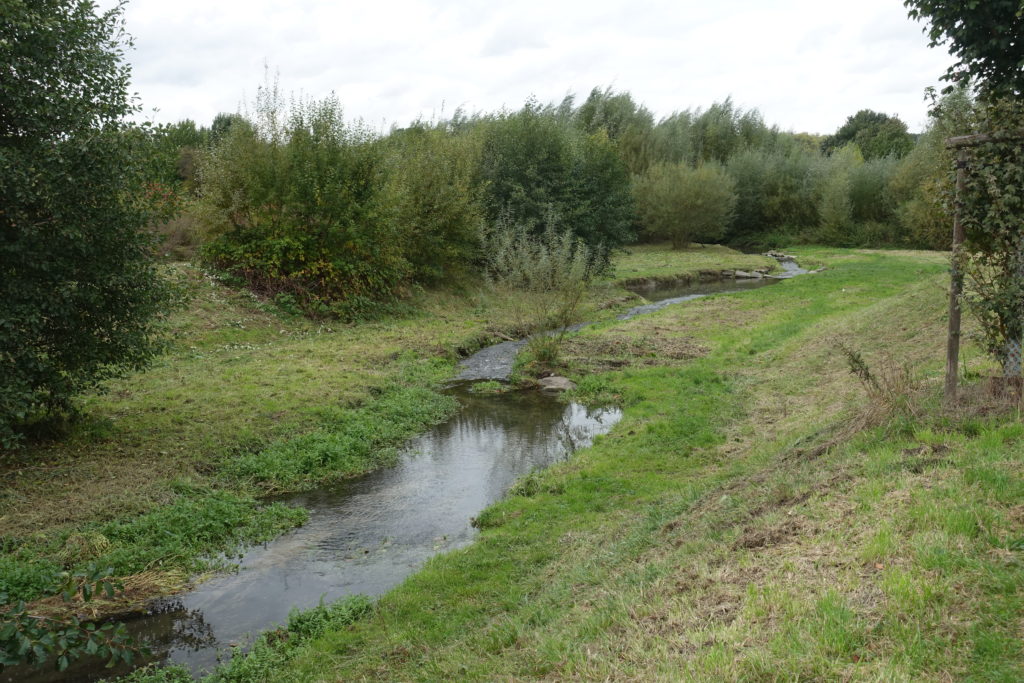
<point>666,295</point>
<point>369,533</point>
<point>366,535</point>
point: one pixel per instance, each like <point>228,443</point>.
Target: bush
<point>918,185</point>
<point>869,200</point>
<point>552,270</point>
<point>992,211</point>
<point>437,212</point>
<point>292,203</point>
<point>30,638</point>
<point>684,204</point>
<point>535,164</point>
<point>80,294</point>
<point>774,191</point>
<point>834,206</point>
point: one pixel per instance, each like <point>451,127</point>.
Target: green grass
<point>272,650</point>
<point>249,400</point>
<point>659,262</point>
<point>754,515</point>
<point>743,521</point>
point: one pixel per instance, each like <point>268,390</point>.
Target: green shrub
<point>292,203</point>
<point>869,200</point>
<point>30,638</point>
<point>775,190</point>
<point>628,125</point>
<point>540,280</point>
<point>80,293</point>
<point>835,208</point>
<point>535,164</point>
<point>684,204</point>
<point>918,185</point>
<point>437,212</point>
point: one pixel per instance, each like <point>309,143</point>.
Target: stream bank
<point>367,535</point>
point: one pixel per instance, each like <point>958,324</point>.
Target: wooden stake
<point>956,285</point>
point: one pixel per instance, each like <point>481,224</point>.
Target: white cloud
<point>806,64</point>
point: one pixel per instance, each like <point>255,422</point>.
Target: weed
<point>357,441</point>
<point>892,391</point>
<point>488,387</point>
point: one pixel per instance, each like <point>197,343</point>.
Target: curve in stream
<point>367,534</point>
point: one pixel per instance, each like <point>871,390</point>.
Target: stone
<point>556,383</point>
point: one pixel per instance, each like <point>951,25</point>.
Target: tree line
<point>333,218</point>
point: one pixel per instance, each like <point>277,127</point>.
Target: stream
<point>367,534</point>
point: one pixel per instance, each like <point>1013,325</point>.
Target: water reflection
<point>368,534</point>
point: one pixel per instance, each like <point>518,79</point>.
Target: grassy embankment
<point>755,516</point>
<point>653,262</point>
<point>168,465</point>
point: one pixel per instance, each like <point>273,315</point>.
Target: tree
<point>436,210</point>
<point>684,204</point>
<point>627,124</point>
<point>534,163</point>
<point>877,135</point>
<point>293,203</point>
<point>79,287</point>
<point>986,38</point>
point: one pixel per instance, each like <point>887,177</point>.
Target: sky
<point>806,65</point>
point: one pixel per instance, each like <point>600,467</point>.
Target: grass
<point>271,651</point>
<point>755,515</point>
<point>659,262</point>
<point>249,400</point>
<point>743,521</point>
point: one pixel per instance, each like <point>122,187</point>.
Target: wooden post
<point>956,285</point>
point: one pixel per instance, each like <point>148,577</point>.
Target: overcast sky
<point>805,64</point>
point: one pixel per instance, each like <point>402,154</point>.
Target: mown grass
<point>249,400</point>
<point>744,521</point>
<point>660,262</point>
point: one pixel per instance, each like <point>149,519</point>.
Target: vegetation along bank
<point>788,496</point>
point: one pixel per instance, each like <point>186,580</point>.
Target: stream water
<point>366,535</point>
<point>369,533</point>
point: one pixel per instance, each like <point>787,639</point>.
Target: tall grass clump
<point>539,279</point>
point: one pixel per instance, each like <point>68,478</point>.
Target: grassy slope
<point>741,522</point>
<point>186,443</point>
<point>658,261</point>
<point>247,401</point>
